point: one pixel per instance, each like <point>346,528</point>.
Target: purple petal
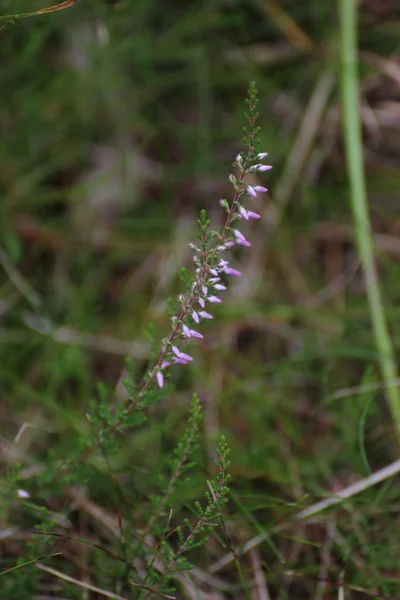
<point>185,357</point>
<point>176,351</point>
<point>186,331</point>
<point>260,188</point>
<point>233,272</point>
<point>244,213</point>
<point>238,234</point>
<point>251,191</point>
<point>195,316</point>
<point>261,168</point>
<point>180,361</point>
<point>202,304</point>
<point>196,334</point>
<point>205,315</point>
<point>23,494</point>
<point>219,287</point>
<point>165,365</point>
<point>253,215</point>
<point>214,272</point>
<point>229,244</point>
<point>214,299</point>
<point>262,155</point>
<point>240,238</point>
<point>160,379</point>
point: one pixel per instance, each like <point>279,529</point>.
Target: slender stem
<point>353,144</point>
<point>36,13</point>
<point>187,307</point>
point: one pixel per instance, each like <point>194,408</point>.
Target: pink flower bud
<point>240,238</point>
<point>232,272</point>
<point>214,299</point>
<point>251,191</point>
<point>160,379</point>
<point>205,315</point>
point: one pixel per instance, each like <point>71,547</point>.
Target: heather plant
<point>154,547</point>
<point>204,288</point>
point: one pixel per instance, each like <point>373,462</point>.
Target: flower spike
<point>210,267</point>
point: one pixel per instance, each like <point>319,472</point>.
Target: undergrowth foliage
<point>154,545</point>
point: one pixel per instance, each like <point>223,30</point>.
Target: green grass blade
<point>353,143</point>
<point>28,563</point>
<point>36,13</point>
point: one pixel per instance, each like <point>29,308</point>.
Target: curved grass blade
<point>28,563</point>
<point>42,11</point>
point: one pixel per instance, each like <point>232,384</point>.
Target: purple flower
<point>251,191</point>
<point>241,240</point>
<point>228,245</point>
<point>202,304</point>
<point>191,332</point>
<point>185,357</point>
<point>219,287</point>
<point>23,494</point>
<point>253,215</point>
<point>160,379</point>
<point>186,331</point>
<point>239,159</point>
<point>232,272</point>
<point>181,357</point>
<point>195,316</point>
<point>205,315</point>
<point>214,299</point>
<point>248,214</point>
<point>196,334</point>
<point>262,155</point>
<point>261,168</point>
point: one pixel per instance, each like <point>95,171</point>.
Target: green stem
<point>351,124</point>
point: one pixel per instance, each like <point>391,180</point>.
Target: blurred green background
<point>119,121</point>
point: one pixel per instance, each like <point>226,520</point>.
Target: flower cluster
<point>210,266</point>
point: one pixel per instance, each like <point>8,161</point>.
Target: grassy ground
<point>119,121</point>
